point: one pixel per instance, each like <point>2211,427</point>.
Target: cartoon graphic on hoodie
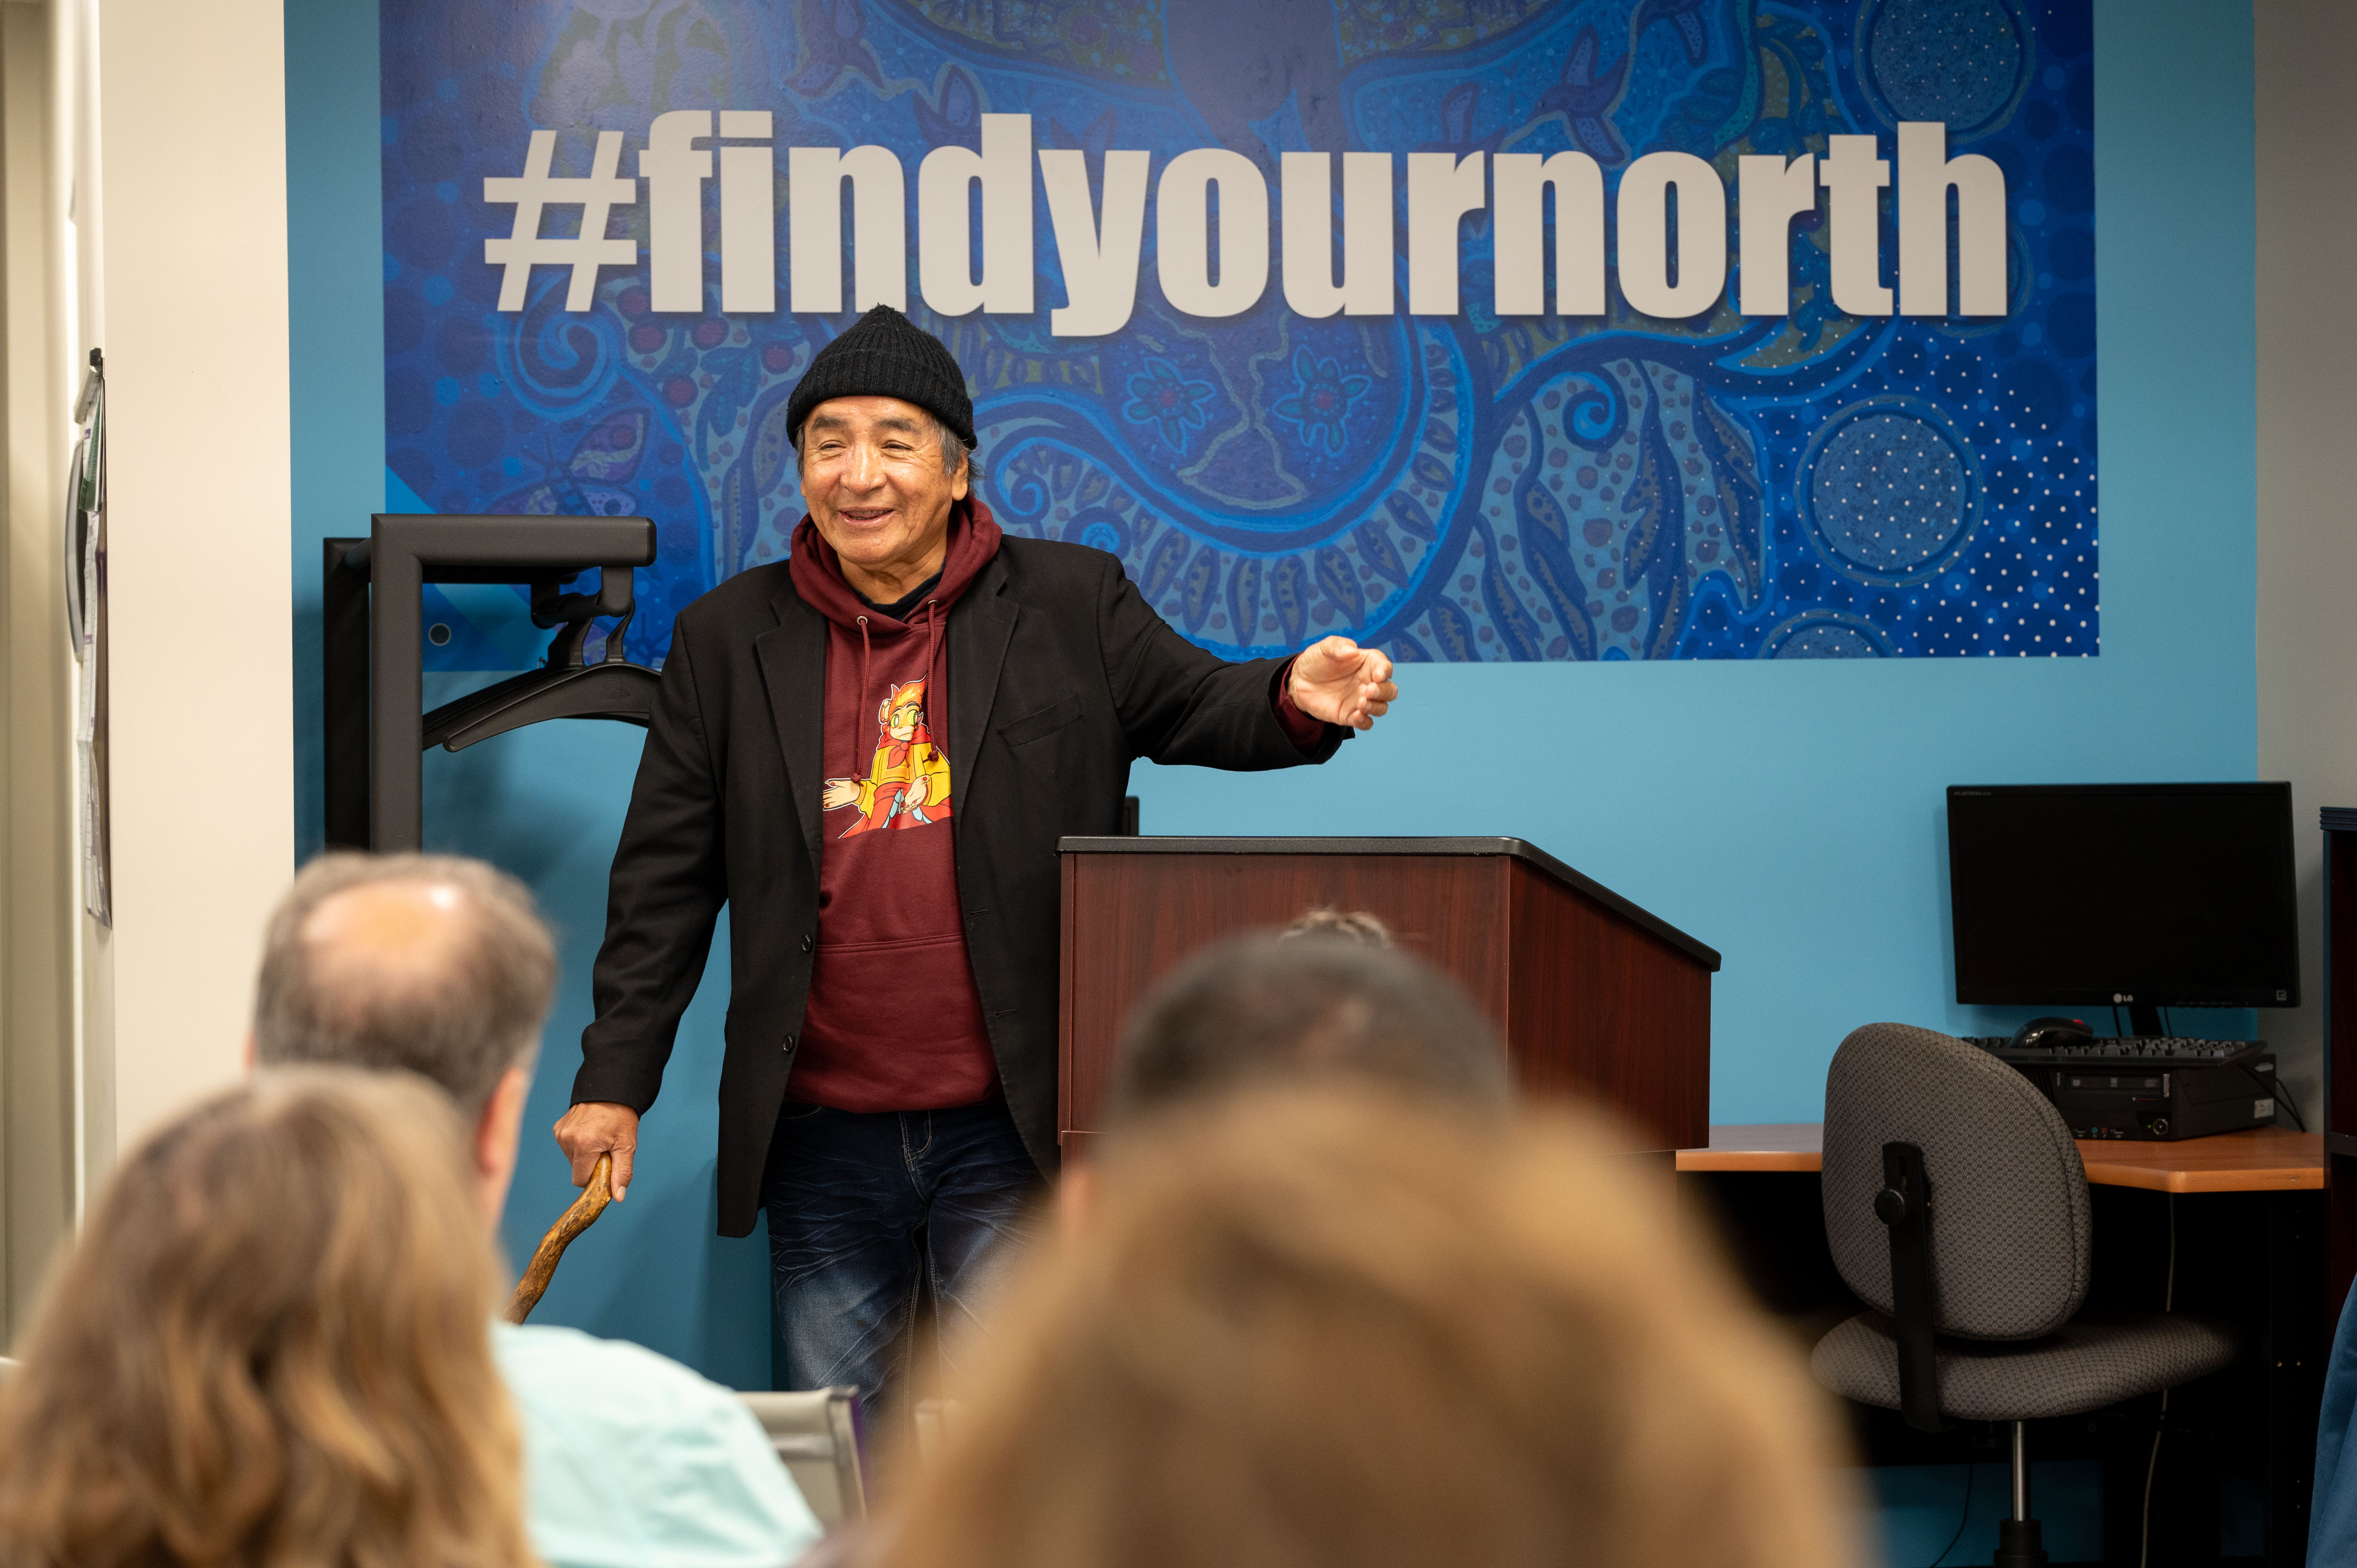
<point>908,782</point>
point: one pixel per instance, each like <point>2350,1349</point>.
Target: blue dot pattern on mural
<point>1464,488</point>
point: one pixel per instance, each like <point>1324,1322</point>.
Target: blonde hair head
<point>1327,1328</point>
<point>270,1349</point>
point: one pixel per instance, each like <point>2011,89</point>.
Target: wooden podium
<point>1592,994</point>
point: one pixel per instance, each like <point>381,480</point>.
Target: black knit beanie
<point>884,354</point>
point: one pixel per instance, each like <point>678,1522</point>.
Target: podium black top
<point>2337,820</point>
<point>1513,848</point>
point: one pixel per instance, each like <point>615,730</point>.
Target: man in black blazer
<point>869,751</point>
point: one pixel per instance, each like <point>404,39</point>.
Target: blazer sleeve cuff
<point>1314,738</point>
<point>614,1085</point>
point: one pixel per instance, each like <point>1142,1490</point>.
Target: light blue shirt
<point>633,1461</point>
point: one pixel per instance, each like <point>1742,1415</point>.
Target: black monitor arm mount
<point>374,651</point>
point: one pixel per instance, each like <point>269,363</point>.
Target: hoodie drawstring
<point>933,608</point>
<point>859,715</point>
<point>932,683</point>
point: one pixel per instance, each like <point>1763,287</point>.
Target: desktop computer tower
<point>2161,1104</point>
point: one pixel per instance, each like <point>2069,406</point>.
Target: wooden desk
<point>2264,1159</point>
<point>2240,1218</point>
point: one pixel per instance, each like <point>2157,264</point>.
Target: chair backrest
<point>820,1440</point>
<point>2008,1194</point>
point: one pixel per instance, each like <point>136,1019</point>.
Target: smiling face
<point>872,474</point>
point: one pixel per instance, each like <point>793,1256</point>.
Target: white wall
<point>192,231</point>
<point>2307,423</point>
<point>38,902</point>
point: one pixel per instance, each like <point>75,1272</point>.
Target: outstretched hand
<point>1339,682</point>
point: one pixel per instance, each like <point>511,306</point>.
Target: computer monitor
<point>2146,895</point>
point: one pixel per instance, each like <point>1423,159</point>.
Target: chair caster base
<point>2017,1545</point>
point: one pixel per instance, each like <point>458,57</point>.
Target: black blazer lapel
<point>981,624</point>
<point>792,658</point>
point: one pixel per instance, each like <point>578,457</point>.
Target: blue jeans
<point>864,1208</point>
<point>2333,1507</point>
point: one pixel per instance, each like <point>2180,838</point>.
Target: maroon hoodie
<point>894,1022</point>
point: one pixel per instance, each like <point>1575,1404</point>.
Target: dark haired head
<point>1261,1009</point>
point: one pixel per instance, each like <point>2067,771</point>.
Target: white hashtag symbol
<point>585,254</point>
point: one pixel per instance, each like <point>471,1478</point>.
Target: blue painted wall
<point>546,803</point>
<point>1792,815</point>
<point>1788,814</point>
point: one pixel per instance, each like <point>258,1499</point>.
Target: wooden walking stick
<point>571,1223</point>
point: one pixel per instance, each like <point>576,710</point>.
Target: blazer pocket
<point>1038,725</point>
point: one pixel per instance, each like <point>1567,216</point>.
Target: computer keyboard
<point>2151,1051</point>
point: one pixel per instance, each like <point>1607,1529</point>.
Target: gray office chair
<point>819,1439</point>
<point>1957,1208</point>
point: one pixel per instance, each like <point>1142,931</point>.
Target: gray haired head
<point>430,963</point>
<point>1261,1010</point>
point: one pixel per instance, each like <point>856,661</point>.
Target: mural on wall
<point>1473,485</point>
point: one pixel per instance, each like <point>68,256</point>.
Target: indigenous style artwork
<point>1436,465</point>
